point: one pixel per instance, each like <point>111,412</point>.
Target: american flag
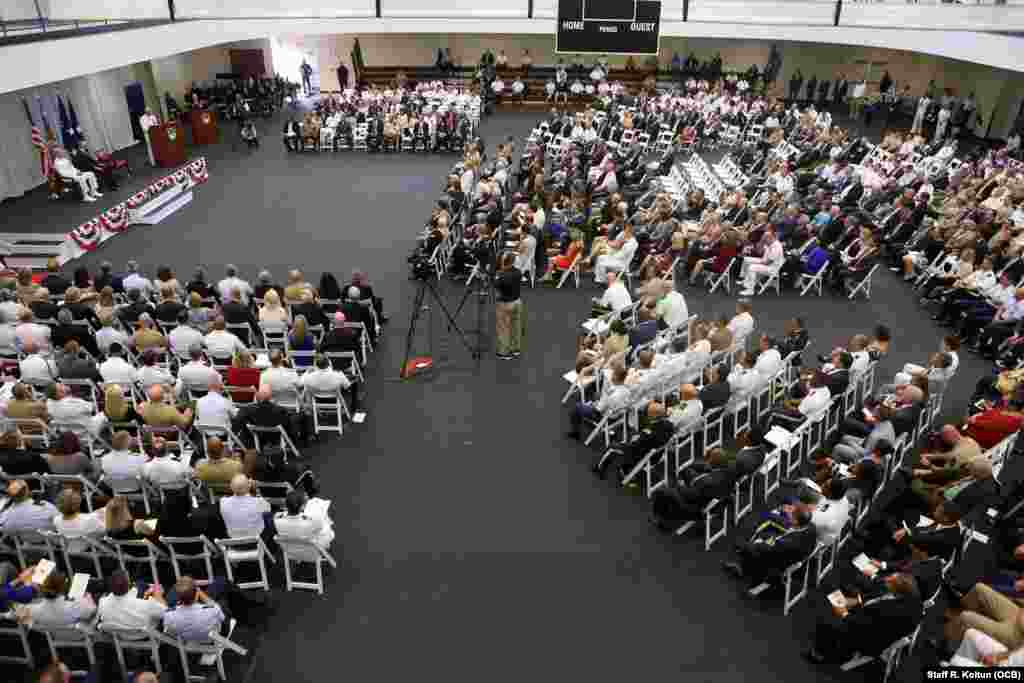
<point>38,141</point>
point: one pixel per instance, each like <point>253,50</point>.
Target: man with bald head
<point>156,412</point>
<point>245,514</point>
<point>36,369</point>
<point>218,469</point>
<point>28,332</point>
<point>214,409</point>
<point>947,465</point>
<point>265,413</point>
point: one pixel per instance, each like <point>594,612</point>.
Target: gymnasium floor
<point>473,542</point>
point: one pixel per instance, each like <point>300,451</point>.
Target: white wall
<point>109,9</point>
<point>31,64</point>
<point>19,10</point>
<point>275,8</point>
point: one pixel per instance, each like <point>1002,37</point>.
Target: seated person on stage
<point>66,170</point>
<point>868,623</point>
<point>783,538</point>
<point>248,133</point>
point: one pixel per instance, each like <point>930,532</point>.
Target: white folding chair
<point>11,628</point>
<point>574,270</point>
<point>864,286</point>
<point>130,639</point>
<point>808,282</point>
<point>142,552</point>
<point>301,552</point>
<point>197,551</point>
<point>329,412</point>
<point>724,278</point>
<point>712,529</point>
<point>246,549</point>
<point>80,637</point>
<point>213,648</point>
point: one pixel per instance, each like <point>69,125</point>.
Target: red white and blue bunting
<point>89,235</point>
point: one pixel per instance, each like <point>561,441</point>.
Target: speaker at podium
<point>168,140</point>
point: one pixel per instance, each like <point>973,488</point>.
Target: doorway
<point>133,92</point>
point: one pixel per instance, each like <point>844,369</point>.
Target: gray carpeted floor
<point>473,541</point>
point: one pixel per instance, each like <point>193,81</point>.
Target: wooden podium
<point>168,140</point>
<point>204,127</point>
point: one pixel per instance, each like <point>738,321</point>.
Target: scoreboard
<point>625,27</point>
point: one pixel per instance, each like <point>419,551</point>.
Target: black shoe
<point>504,356</point>
<point>733,568</point>
<point>516,354</point>
<point>573,435</point>
<point>814,656</point>
<point>598,470</point>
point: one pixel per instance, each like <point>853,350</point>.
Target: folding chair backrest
<point>194,550</point>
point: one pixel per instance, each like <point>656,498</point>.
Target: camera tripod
<point>425,286</point>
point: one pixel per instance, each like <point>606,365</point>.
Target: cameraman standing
<point>509,314</point>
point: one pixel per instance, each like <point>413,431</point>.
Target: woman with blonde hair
<point>272,311</point>
<point>199,316</point>
<point>301,339</point>
<point>243,377</point>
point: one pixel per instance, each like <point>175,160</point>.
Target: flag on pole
<point>37,140</point>
<point>74,120</point>
<point>66,131</point>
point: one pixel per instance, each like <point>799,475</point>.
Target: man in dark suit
<point>236,313</point>
<point>674,505</point>
<point>357,312</point>
<point>645,330</point>
<point>654,435</point>
<point>64,331</point>
<point>54,282</point>
<point>837,377</point>
<point>310,310</point>
<point>79,310</point>
<point>136,307</point>
<point>41,307</point>
<point>265,413</point>
<point>73,363</point>
<point>786,536</point>
<point>716,391</point>
<point>869,622</point>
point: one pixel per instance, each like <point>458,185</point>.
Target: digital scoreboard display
<point>623,27</point>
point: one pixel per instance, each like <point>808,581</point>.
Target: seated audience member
<point>73,363</point>
<point>28,332</point>
<point>356,312</point>
<point>339,338</point>
<point>272,312</point>
<point>199,285</point>
<point>214,409</point>
<point>978,649</point>
<point>867,624</point>
<point>156,412</point>
<point>150,373</point>
<point>716,391</point>
<point>989,612</point>
<point>991,425</point>
<point>37,369</point>
<point>16,588</point>
<point>123,609</point>
<point>237,313</point>
<point>184,336</point>
<point>71,523</point>
<point>615,397</point>
<point>688,411</point>
<point>795,411</point>
<point>783,538</point>
<point>301,339</point>
<point>366,293</point>
<point>721,336</point>
<point>65,331</point>
<point>118,410</point>
<point>265,413</point>
<point>220,343</point>
<point>645,330</point>
<point>703,482</point>
<point>232,281</point>
<point>218,469</point>
<point>69,412</point>
<point>200,316</point>
<point>66,458</point>
<point>146,335</point>
<point>265,283</point>
<point>163,470</point>
<point>195,614</point>
<point>16,458</point>
<point>23,406</point>
<point>134,280</point>
<point>109,335</point>
<point>324,379</point>
<point>170,306</point>
<point>244,376</point>
<point>245,514</point>
<point>281,379</point>
<point>137,306</point>
<point>294,523</point>
<point>116,369</point>
<point>654,435</point>
<point>54,610</point>
<point>196,374</point>
<point>742,324</point>
<point>23,513</point>
<point>616,297</point>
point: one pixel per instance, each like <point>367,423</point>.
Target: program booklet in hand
<point>42,571</point>
<point>78,585</point>
<point>865,565</point>
<point>837,599</point>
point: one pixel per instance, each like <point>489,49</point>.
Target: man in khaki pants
<point>991,613</point>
